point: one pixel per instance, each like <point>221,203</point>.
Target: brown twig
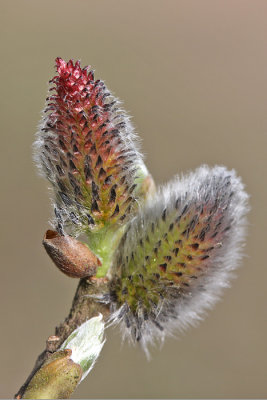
<point>84,306</point>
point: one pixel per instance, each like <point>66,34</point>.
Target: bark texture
<point>84,306</point>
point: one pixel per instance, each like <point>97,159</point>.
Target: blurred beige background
<point>194,76</point>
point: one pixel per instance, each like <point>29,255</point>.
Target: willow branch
<point>84,306</point>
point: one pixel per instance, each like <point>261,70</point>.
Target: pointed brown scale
<point>163,267</point>
<point>159,243</point>
<point>62,144</point>
<point>184,209</point>
<point>95,191</point>
<point>99,162</point>
<point>112,195</point>
<point>72,166</point>
<point>90,220</point>
<point>122,180</point>
<point>207,250</point>
<point>75,149</point>
<point>59,170</point>
<point>171,227</point>
<point>165,237</point>
<point>128,200</point>
<point>102,174</point>
<point>130,191</point>
<point>62,187</point>
<point>129,208</point>
<point>108,180</point>
<point>93,150</point>
<point>95,208</point>
<point>102,126</point>
<point>178,219</point>
<point>104,145</point>
<point>176,251</point>
<point>88,173</point>
<point>192,224</point>
<point>116,211</point>
<point>168,258</point>
<point>73,181</point>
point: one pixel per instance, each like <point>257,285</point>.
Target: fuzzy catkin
<point>87,149</point>
<point>178,254</point>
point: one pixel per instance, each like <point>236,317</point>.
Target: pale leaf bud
<point>86,343</point>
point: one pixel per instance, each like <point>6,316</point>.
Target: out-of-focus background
<point>193,74</point>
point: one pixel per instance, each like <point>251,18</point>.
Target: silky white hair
<point>219,187</point>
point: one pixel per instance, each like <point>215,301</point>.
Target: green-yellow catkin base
<point>106,241</point>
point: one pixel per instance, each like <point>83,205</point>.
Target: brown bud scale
<point>72,257</point>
